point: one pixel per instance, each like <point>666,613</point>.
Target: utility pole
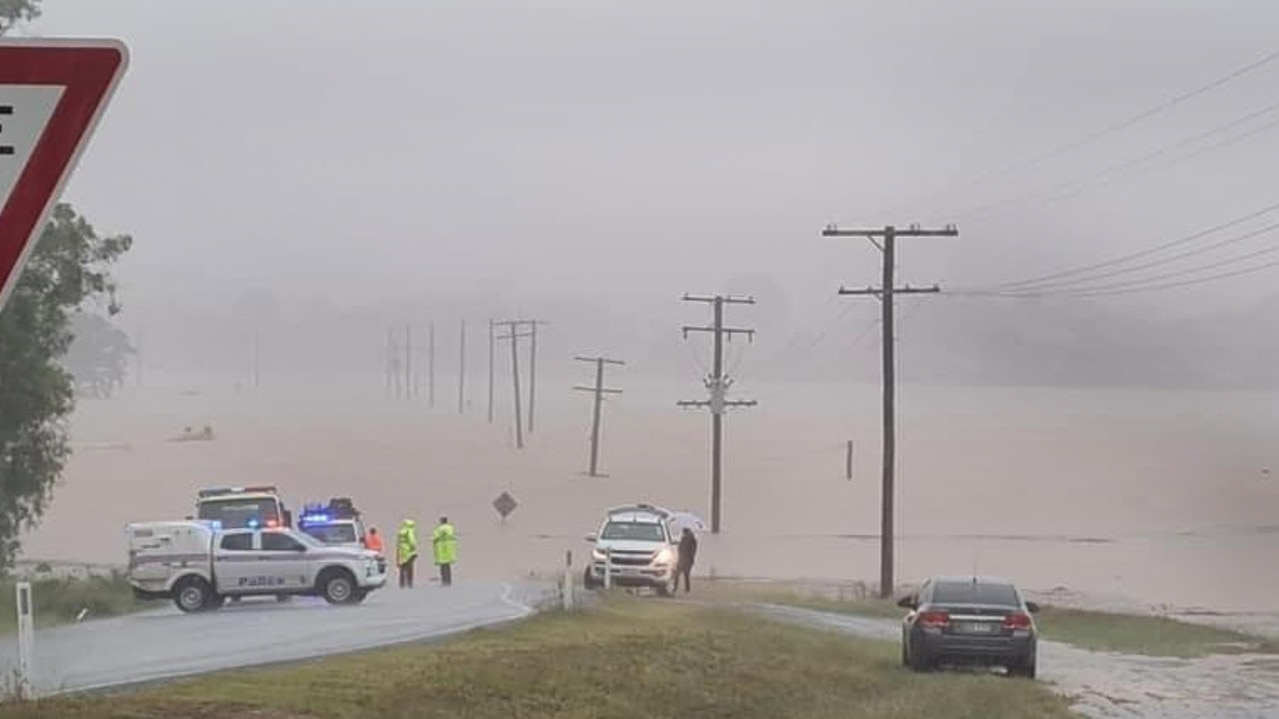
<point>717,384</point>
<point>532,367</point>
<point>461,371</point>
<point>514,336</point>
<point>599,391</point>
<point>885,293</point>
<point>410,386</point>
<point>492,343</point>
<point>430,367</point>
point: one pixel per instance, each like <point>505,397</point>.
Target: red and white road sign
<point>52,92</point>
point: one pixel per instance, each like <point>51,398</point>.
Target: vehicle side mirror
<point>1032,607</point>
<point>591,538</point>
<point>907,602</point>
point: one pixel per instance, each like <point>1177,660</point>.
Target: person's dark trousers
<point>686,572</point>
<point>446,574</point>
<point>406,574</point>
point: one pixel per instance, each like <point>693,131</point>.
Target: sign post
<point>52,94</point>
<point>26,642</point>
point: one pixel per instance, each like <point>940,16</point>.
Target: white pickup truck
<point>200,566</point>
<point>637,547</point>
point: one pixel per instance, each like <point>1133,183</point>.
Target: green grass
<point>59,600</point>
<point>639,658</point>
<point>1086,629</point>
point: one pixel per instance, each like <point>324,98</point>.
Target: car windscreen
<point>1002,595</point>
<point>332,533</point>
<point>236,513</point>
<point>635,531</point>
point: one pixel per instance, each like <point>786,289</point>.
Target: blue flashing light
<point>253,523</point>
<point>315,519</point>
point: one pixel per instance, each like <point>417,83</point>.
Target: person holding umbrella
<point>687,556</point>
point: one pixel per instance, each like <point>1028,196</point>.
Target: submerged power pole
<point>599,390</point>
<point>717,384</point>
<point>514,335</point>
<point>885,293</point>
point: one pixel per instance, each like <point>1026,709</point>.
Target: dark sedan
<point>969,620</point>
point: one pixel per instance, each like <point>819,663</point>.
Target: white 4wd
<point>199,566</point>
<point>636,546</point>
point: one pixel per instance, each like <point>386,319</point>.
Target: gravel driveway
<point>1105,685</point>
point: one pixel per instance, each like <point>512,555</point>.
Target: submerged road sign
<point>52,93</point>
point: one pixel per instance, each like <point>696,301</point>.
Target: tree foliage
<point>98,357</point>
<point>13,12</point>
<point>68,270</point>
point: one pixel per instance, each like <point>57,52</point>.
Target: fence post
<point>26,642</point>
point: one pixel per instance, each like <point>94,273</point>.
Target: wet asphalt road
<point>1104,685</point>
<point>165,643</point>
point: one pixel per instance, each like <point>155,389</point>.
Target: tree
<point>13,12</point>
<point>98,357</point>
<point>67,271</point>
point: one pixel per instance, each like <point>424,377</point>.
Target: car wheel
<point>919,660</point>
<point>359,596</point>
<point>337,587</point>
<point>1025,668</point>
<point>588,579</point>
<point>192,595</point>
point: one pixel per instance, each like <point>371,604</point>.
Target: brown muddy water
<point>1157,497</point>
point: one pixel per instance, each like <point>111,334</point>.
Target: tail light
<point>933,619</point>
<point>1017,620</point>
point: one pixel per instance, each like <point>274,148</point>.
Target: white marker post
<point>608,568</point>
<point>568,580</point>
<point>26,642</point>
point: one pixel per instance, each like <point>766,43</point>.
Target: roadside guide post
<point>608,567</point>
<point>26,642</point>
<point>568,580</point>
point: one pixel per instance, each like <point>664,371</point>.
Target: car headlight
<point>664,556</point>
<point>598,554</point>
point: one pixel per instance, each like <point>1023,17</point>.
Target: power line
<point>1141,253</point>
<point>1184,283</point>
<point>1089,291</point>
<point>1064,190</point>
<point>1111,129</point>
<point>1054,287</point>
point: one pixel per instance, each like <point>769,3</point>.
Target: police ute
<point>337,523</point>
<point>199,565</point>
<point>636,546</point>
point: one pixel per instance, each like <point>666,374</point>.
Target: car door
<point>287,559</point>
<point>234,561</point>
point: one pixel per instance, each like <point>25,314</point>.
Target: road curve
<point>166,643</point>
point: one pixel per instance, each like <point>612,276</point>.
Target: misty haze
<point>331,204</point>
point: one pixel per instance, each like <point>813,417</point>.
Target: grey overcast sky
<point>632,151</point>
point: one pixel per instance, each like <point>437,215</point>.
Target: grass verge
<point>630,658</point>
<point>1086,629</point>
<point>59,600</point>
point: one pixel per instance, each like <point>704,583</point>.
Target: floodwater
<point>1164,498</point>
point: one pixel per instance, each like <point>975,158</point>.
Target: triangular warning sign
<point>52,92</point>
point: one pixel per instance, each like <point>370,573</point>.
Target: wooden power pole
<point>430,364</point>
<point>599,390</point>
<point>885,293</point>
<point>514,335</point>
<point>717,384</point>
<point>461,370</point>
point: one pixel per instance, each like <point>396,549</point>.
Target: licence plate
<point>976,627</point>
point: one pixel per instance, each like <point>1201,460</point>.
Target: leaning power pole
<point>599,390</point>
<point>885,293</point>
<point>717,384</point>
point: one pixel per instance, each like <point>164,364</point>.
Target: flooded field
<point>1161,498</point>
